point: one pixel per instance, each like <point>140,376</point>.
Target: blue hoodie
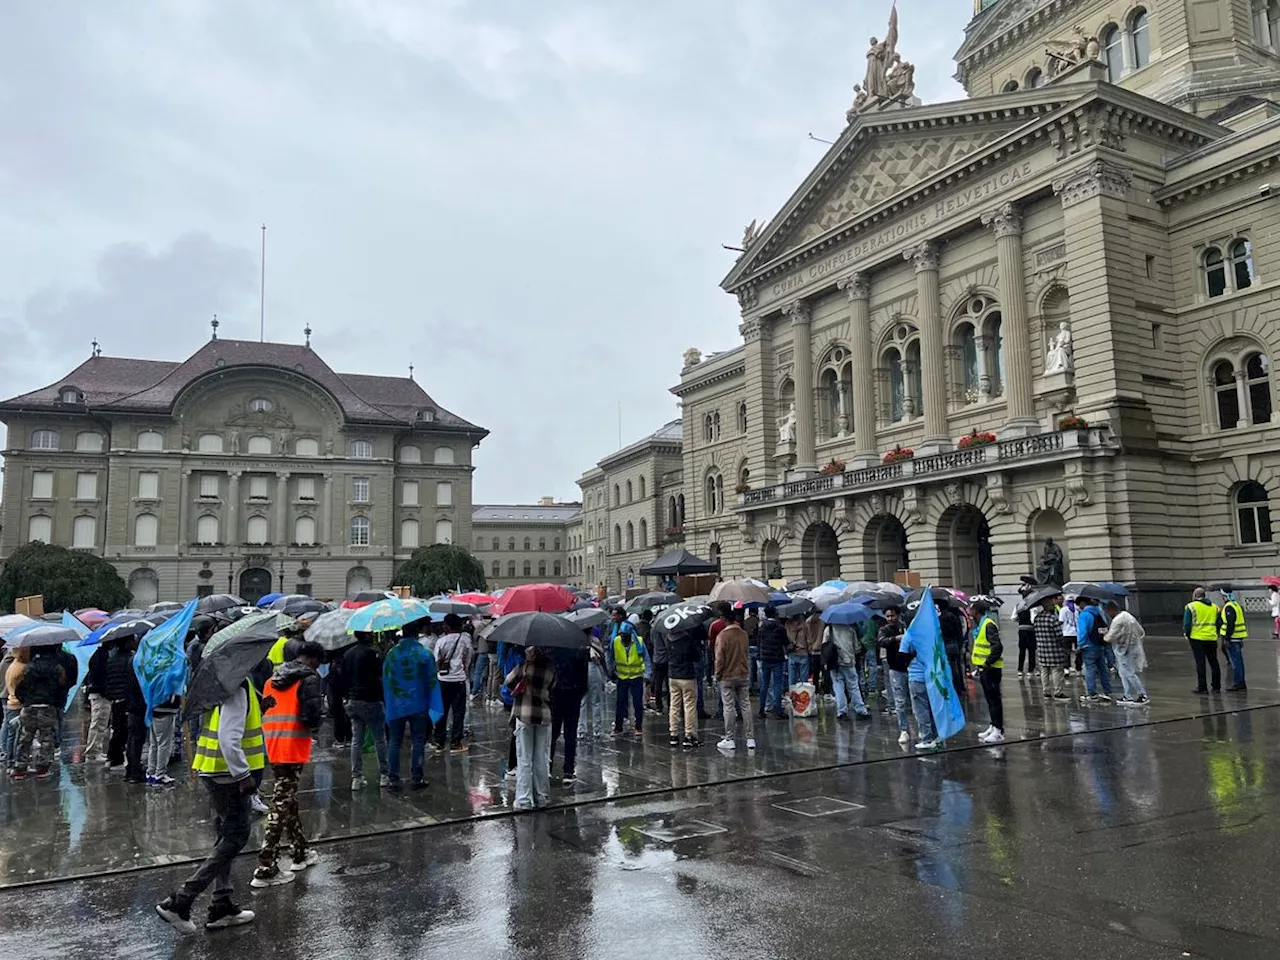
<point>509,657</point>
<point>409,682</point>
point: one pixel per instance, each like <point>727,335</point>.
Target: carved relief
<point>748,297</point>
<point>260,419</point>
<point>914,505</point>
<point>998,492</point>
<point>1076,483</point>
<point>1004,221</point>
<point>953,494</point>
<point>1096,179</point>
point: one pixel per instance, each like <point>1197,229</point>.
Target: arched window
<point>713,493</point>
<point>150,440</point>
<point>617,538</point>
<point>914,381</point>
<point>256,530</point>
<point>617,495</point>
<point>304,531</point>
<point>715,425</point>
<point>1139,39</point>
<point>496,568</point>
<point>511,568</point>
<point>897,405</point>
<point>555,569</point>
<point>209,443</point>
<point>207,529</point>
<point>642,490</point>
<point>1241,253</point>
<point>1242,394</point>
<point>88,442</point>
<point>744,474</point>
<point>993,338</point>
<point>70,395</point>
<point>680,509</point>
<point>528,568</point>
<point>528,543</point>
<point>542,568</point>
<point>1010,87</point>
<point>966,343</point>
<point>1253,513</point>
<point>631,536</point>
<point>708,428</point>
<point>146,530</point>
<point>644,533</point>
<point>40,529</point>
<point>713,554</point>
<point>1215,272</point>
<point>361,530</point>
<point>306,447</point>
<point>84,532</point>
<point>1113,53</point>
<point>555,544</point>
<point>830,402</point>
<point>742,418</point>
<point>409,534</point>
<point>410,453</point>
<point>511,543</point>
<point>1257,381</point>
<point>44,440</point>
<point>260,445</point>
<point>630,493</point>
<point>444,530</point>
<point>542,543</point>
<point>1034,79</point>
<point>671,512</point>
<point>497,544</point>
<point>1226,394</point>
<point>444,456</point>
<point>360,449</point>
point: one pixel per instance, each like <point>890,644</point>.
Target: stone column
<point>282,507</point>
<point>184,509</point>
<point>326,510</point>
<point>802,347</point>
<point>757,338</point>
<point>1020,416</point>
<point>858,289</point>
<point>233,509</point>
<point>1242,398</point>
<point>937,437</point>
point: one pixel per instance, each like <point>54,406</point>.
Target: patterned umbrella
<point>390,613</point>
<point>266,625</point>
<point>330,630</point>
<point>739,591</point>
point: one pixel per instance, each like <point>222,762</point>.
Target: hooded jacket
<point>310,704</point>
<point>772,641</point>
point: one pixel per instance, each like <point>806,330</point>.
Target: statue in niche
<point>186,443</point>
<point>328,447</point>
<point>235,441</point>
<point>787,426</point>
<point>1052,566</point>
<point>775,572</point>
<point>751,234</point>
<point>1060,357</point>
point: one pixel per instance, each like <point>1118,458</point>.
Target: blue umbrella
<point>389,614</point>
<point>779,597</point>
<point>266,599</point>
<point>847,614</point>
<point>838,584</point>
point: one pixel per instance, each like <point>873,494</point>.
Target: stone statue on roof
<point>880,59</point>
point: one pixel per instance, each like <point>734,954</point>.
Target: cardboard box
<point>30,606</point>
<point>404,593</point>
<point>907,578</point>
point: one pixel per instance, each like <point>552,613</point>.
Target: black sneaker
<point>673,741</point>
<point>222,915</point>
<point>692,743</point>
<point>176,915</point>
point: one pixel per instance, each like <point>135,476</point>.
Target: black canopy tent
<point>677,563</point>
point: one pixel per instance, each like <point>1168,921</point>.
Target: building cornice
<point>697,380</point>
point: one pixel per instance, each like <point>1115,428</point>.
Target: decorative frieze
<point>1094,180</point>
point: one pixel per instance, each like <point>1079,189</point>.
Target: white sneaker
<point>310,860</point>
<point>234,917</point>
<point>751,743</point>
<point>904,738</point>
<point>997,736</point>
<point>927,745</point>
<point>511,774</point>
<point>277,879</point>
<point>358,783</point>
<point>986,733</point>
<point>258,806</point>
<point>384,781</point>
<point>727,743</point>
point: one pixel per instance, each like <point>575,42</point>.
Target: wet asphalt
<point>1095,834</point>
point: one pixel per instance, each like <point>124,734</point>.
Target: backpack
<point>830,652</point>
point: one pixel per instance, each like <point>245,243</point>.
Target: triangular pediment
<point>1000,19</point>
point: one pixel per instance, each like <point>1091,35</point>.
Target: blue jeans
<point>899,691</point>
<point>753,657</point>
<point>367,715</point>
<point>1235,653</point>
<point>1133,687</point>
<point>1095,667</point>
<point>533,761</point>
<point>845,681</point>
<point>627,689</point>
<point>479,670</point>
<point>923,710</point>
<point>419,724</point>
<point>873,672</point>
<point>772,679</point>
<point>9,736</point>
<point>797,667</point>
<point>591,722</point>
<point>701,676</point>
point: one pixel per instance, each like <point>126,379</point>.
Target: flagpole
<point>262,290</point>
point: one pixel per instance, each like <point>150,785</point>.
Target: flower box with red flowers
<point>977,438</point>
<point>898,454</point>
<point>832,469</point>
<point>1073,423</point>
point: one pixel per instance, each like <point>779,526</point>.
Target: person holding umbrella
<point>530,685</point>
<point>36,681</point>
<point>627,662</point>
<point>362,673</point>
<point>1052,652</point>
<point>566,704</point>
<point>411,691</point>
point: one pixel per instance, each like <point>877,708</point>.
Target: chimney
<point>547,502</point>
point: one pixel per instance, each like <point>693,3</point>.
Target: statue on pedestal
<point>1060,357</point>
<point>1052,566</point>
<point>888,76</point>
<point>787,426</point>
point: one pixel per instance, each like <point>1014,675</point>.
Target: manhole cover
<point>819,806</point>
<point>670,833</point>
<point>365,869</point>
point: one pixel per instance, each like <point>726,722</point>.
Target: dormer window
<point>426,415</point>
<point>261,405</point>
<point>69,395</point>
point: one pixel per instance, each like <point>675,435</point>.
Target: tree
<point>68,579</point>
<point>440,567</point>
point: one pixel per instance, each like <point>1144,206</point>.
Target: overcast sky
<point>526,198</point>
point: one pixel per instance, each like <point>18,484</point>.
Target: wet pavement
<point>87,822</point>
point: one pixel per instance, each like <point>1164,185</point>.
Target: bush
<point>67,579</point>
<point>440,567</point>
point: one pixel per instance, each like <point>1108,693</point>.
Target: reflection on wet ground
<point>88,821</point>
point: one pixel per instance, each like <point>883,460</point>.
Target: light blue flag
<point>924,637</point>
<point>161,661</point>
<point>82,654</point>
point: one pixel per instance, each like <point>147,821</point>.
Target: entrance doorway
<point>770,560</point>
<point>255,583</point>
<point>885,547</point>
<point>964,550</point>
<point>820,553</point>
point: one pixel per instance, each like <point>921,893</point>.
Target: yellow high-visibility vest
<point>1204,621</point>
<point>627,660</point>
<point>982,647</point>
<point>1241,631</point>
<point>208,755</point>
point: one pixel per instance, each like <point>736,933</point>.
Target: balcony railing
<point>992,456</point>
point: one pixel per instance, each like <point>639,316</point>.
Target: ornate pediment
<point>277,418</point>
<point>998,21</point>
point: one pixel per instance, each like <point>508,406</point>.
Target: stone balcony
<point>1020,453</point>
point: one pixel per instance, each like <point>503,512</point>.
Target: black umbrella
<point>218,601</point>
<point>587,617</point>
<point>794,586</point>
<point>939,594</point>
<point>682,619</point>
<point>1037,597</point>
<point>647,601</point>
<point>296,606</point>
<point>1096,591</point>
<point>880,600</point>
<point>538,630</point>
<point>452,606</point>
<point>229,657</point>
<point>164,606</point>
<point>372,596</point>
<point>132,628</point>
<point>797,608</point>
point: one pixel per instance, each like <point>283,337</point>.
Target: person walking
<point>530,684</point>
<point>37,686</point>
<point>1233,631</point>
<point>453,661</point>
<point>1124,636</point>
<point>1091,641</point>
<point>844,670</point>
<point>591,719</point>
<point>1052,652</point>
<point>1067,617</point>
<point>566,705</point>
<point>228,750</point>
<point>773,642</point>
<point>410,683</point>
<point>897,687</point>
<point>627,663</point>
<point>293,710</point>
<point>1200,627</point>
<point>362,672</point>
<point>1026,645</point>
<point>659,657</point>
<point>95,691</point>
<point>733,671</point>
<point>1273,607</point>
<point>685,652</point>
<point>988,658</point>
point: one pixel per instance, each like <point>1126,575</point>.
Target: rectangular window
<point>259,488</point>
<point>302,588</point>
<point>148,486</point>
<point>42,485</point>
<point>1157,336</point>
<point>208,485</point>
<point>359,489</point>
<point>84,532</point>
<point>409,493</point>
<point>306,488</point>
<point>1151,266</point>
<point>86,486</point>
<point>204,590</point>
<point>444,494</point>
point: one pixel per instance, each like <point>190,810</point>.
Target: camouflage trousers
<point>283,822</point>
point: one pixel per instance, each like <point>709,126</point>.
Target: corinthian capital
<point>924,256</point>
<point>1096,179</point>
<point>857,286</point>
<point>1004,221</point>
<point>797,311</point>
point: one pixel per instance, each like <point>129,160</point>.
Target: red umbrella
<point>1271,581</point>
<point>535,598</point>
<point>479,599</point>
<point>92,616</point>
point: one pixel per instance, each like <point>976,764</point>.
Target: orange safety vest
<point>288,739</point>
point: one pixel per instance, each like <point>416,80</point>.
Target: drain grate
<point>364,869</point>
<point>670,833</point>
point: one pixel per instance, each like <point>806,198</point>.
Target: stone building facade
<point>631,502</point>
<point>1079,259</point>
<point>523,543</point>
<point>246,468</point>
